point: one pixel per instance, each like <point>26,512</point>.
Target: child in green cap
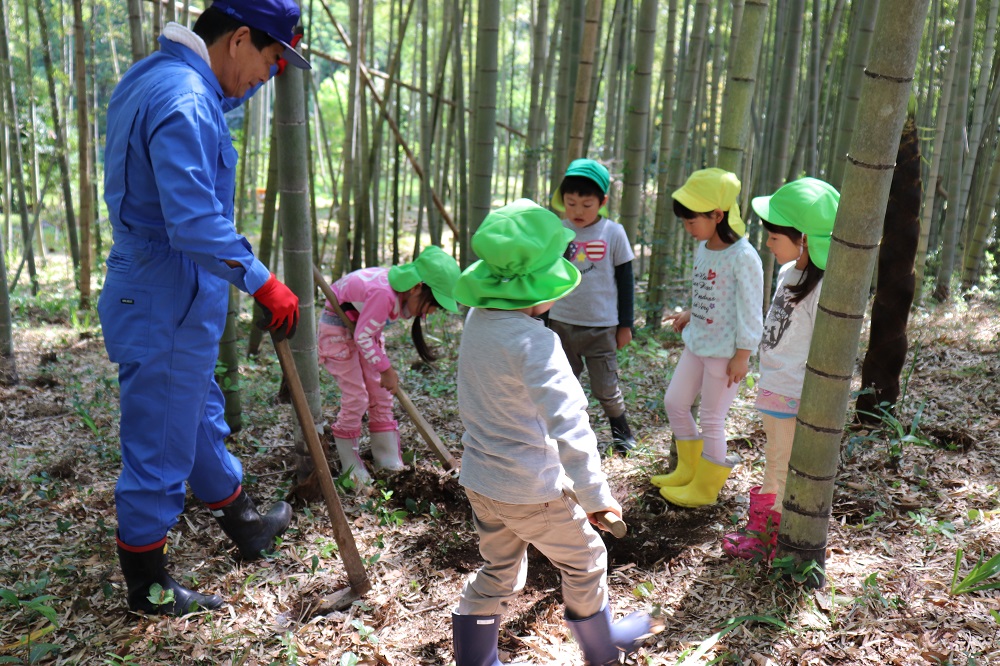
<point>799,220</point>
<point>526,432</point>
<point>372,297</point>
<point>595,320</point>
<point>720,331</point>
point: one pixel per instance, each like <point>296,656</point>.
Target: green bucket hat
<point>435,268</point>
<point>585,168</point>
<point>521,261</point>
<point>708,189</point>
<point>808,205</point>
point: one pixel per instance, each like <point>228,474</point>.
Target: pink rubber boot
<point>762,521</point>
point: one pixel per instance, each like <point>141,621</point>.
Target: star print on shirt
<point>593,250</point>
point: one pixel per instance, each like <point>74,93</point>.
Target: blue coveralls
<point>170,178</point>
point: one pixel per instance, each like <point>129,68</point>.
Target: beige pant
<point>777,451</point>
<point>559,530</point>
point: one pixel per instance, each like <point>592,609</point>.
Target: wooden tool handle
<point>611,522</point>
<point>356,574</point>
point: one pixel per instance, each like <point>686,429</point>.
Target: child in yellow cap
<point>720,330</point>
<point>526,431</point>
<point>799,221</point>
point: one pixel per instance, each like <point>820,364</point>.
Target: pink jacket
<point>377,304</point>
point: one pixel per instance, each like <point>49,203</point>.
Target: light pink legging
<point>359,382</point>
<point>701,374</point>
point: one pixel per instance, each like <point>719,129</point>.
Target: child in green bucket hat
<point>526,432</point>
<point>799,221</point>
<point>372,297</point>
<point>595,320</point>
<point>721,330</point>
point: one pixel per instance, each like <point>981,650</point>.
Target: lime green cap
<point>521,263</point>
<point>808,205</point>
<point>435,268</point>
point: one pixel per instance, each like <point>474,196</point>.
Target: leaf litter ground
<point>897,523</point>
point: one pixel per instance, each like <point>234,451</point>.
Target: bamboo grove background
<point>419,117</point>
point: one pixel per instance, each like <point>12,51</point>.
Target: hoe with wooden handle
<point>423,427</point>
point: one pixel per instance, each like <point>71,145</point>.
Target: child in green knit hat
<point>527,436</point>
<point>595,320</point>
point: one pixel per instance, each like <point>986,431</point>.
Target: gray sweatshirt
<point>525,415</point>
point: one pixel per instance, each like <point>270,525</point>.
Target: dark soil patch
<point>950,439</point>
<point>656,537</point>
<point>417,489</point>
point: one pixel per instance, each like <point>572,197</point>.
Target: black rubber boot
<point>475,639</point>
<point>249,530</point>
<point>602,642</point>
<point>621,434</point>
<point>142,570</point>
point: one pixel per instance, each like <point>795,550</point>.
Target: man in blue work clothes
<point>170,179</point>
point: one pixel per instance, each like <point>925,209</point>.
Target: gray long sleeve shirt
<point>525,415</point>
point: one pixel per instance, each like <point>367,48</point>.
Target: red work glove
<point>282,63</point>
<point>280,306</point>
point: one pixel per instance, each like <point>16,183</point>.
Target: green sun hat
<point>435,268</point>
<point>708,189</point>
<point>808,205</point>
<point>584,168</point>
<point>521,263</point>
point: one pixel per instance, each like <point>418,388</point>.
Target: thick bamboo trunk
<point>62,151</point>
<point>840,317</point>
<point>637,121</point>
<point>487,42</point>
<point>83,156</point>
<point>293,218</point>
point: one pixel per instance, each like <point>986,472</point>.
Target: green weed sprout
<point>973,581</point>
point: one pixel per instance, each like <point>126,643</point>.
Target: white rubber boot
<point>387,450</point>
<point>350,461</point>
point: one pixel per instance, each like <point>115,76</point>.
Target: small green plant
<point>81,324</point>
<point>893,432</point>
<point>30,609</point>
<point>159,596</point>
<point>84,414</point>
<point>289,650</point>
<point>809,574</point>
<point>643,590</point>
<point>925,520</point>
<point>345,483</point>
<point>365,632</point>
<point>873,593</point>
<point>983,570</point>
<point>378,504</point>
<point>726,627</point>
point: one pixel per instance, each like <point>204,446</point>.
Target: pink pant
<point>358,380</point>
<point>701,374</point>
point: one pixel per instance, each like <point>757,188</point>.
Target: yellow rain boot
<point>704,488</point>
<point>688,455</point>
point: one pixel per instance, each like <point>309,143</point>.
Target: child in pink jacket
<point>371,298</point>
